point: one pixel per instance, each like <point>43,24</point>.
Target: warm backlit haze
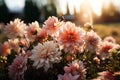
<point>77,11</point>
<point>95,5</point>
<point>80,11</point>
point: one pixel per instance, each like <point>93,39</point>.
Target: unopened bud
<point>69,58</point>
<point>88,27</point>
<point>96,60</point>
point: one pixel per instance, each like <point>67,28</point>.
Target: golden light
<point>62,6</point>
<point>72,4</point>
<point>78,4</point>
<point>96,6</point>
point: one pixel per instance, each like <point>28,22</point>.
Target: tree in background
<point>4,14</point>
<point>49,10</point>
<point>31,12</point>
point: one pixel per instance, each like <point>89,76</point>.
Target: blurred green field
<point>102,29</point>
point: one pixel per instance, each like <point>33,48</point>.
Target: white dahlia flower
<point>44,55</point>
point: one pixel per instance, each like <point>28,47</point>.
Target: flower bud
<point>88,27</point>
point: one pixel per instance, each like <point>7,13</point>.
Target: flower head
<point>105,75</point>
<point>32,30</point>
<point>68,76</point>
<point>17,68</point>
<point>4,49</point>
<point>51,25</point>
<point>92,41</point>
<point>24,42</point>
<point>15,29</point>
<point>104,49</point>
<point>76,68</point>
<point>71,37</point>
<point>41,36</point>
<point>110,39</point>
<point>14,44</point>
<point>44,55</point>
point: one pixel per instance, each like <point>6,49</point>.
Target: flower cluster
<point>57,50</point>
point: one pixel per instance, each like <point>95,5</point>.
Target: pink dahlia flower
<point>104,49</point>
<point>71,37</point>
<point>17,68</point>
<point>68,76</point>
<point>41,36</point>
<point>105,75</point>
<point>14,44</point>
<point>15,29</point>
<point>76,68</point>
<point>24,42</point>
<point>110,39</point>
<point>5,49</point>
<point>44,55</point>
<point>92,41</point>
<point>51,25</point>
<point>32,30</point>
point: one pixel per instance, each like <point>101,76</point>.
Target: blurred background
<point>79,11</point>
<point>103,14</point>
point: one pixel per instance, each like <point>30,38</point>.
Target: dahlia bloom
<point>15,29</point>
<point>51,25</point>
<point>24,42</point>
<point>4,49</point>
<point>110,39</point>
<point>14,44</point>
<point>92,41</point>
<point>104,49</point>
<point>32,30</point>
<point>71,37</point>
<point>76,68</point>
<point>44,55</point>
<point>105,75</point>
<point>17,68</point>
<point>68,76</point>
<point>41,36</point>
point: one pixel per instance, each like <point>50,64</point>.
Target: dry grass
<point>108,30</point>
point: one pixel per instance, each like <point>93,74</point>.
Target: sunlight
<point>106,3</point>
<point>74,4</point>
<point>62,6</point>
<point>71,6</point>
<point>86,6</point>
<point>96,6</point>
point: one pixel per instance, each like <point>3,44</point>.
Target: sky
<point>15,5</point>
